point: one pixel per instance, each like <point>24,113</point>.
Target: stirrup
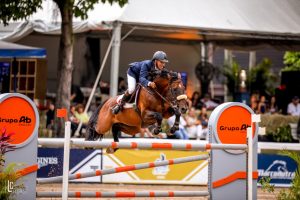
<point>116,109</point>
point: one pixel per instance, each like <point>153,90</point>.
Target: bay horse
<point>152,105</point>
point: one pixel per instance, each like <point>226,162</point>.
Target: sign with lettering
<point>17,116</point>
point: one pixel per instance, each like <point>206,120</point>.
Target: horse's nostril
<point>183,110</point>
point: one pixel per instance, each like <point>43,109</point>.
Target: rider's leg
<point>126,97</point>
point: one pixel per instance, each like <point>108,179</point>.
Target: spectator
<point>121,85</point>
<point>262,106</point>
<point>203,118</point>
<point>254,102</point>
<point>196,101</point>
<point>294,107</point>
<point>50,117</point>
<point>273,105</point>
<point>74,121</point>
<point>82,117</point>
<point>210,105</point>
<point>194,127</point>
<point>181,133</point>
<point>77,96</point>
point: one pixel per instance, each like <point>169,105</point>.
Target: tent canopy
<point>221,21</point>
<point>232,22</point>
<point>8,50</point>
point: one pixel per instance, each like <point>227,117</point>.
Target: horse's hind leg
<point>115,131</point>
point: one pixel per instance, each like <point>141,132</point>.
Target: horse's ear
<point>164,73</point>
<point>174,75</point>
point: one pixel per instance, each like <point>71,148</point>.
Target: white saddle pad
<point>127,105</point>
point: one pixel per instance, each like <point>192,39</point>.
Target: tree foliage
<point>292,61</point>
<point>22,9</point>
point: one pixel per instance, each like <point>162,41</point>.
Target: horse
<point>151,106</point>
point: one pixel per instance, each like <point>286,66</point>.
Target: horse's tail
<point>91,133</point>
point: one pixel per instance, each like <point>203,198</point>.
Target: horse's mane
<point>165,74</point>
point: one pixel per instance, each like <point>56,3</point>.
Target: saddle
<point>133,98</point>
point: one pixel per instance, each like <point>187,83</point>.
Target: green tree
<point>292,61</point>
<point>22,9</point>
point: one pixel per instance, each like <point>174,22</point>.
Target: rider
<point>138,72</point>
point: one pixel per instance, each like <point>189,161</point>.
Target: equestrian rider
<point>138,72</point>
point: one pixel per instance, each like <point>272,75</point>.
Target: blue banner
<point>281,169</point>
<point>50,160</point>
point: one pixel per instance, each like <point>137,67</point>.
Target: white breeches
<point>131,84</point>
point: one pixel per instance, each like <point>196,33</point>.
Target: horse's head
<point>170,85</point>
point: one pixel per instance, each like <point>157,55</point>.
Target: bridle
<point>174,99</point>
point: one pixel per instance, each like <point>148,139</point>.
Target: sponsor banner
<point>50,161</point>
<point>281,169</point>
<point>185,173</point>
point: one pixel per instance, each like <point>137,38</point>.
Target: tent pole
<point>115,58</point>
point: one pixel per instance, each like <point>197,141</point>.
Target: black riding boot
<point>117,108</point>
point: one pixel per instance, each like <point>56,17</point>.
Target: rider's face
<point>159,64</point>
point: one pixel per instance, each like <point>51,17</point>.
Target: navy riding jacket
<point>140,70</point>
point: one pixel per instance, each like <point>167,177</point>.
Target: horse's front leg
<point>175,127</point>
<point>151,117</point>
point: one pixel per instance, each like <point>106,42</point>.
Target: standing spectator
<point>196,101</point>
<point>294,107</point>
<point>50,117</point>
<point>181,133</point>
<point>77,96</point>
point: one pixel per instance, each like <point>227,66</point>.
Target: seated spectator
<point>203,118</point>
<point>181,133</point>
<point>262,106</point>
<point>273,105</point>
<point>121,85</point>
<point>254,102</point>
<point>82,117</point>
<point>204,134</point>
<point>210,105</point>
<point>203,115</point>
<point>196,101</point>
<point>74,121</point>
<point>294,107</point>
<point>194,127</point>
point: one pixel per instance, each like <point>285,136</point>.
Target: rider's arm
<point>143,75</point>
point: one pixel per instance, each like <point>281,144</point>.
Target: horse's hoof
<point>156,131</point>
<point>174,129</point>
<point>110,150</point>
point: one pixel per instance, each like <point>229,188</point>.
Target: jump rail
<point>124,169</point>
<point>142,145</point>
<point>126,194</point>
